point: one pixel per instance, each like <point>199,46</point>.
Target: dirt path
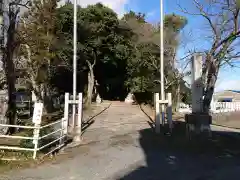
<point>120,145</point>
<point>118,119</point>
<point>104,139</point>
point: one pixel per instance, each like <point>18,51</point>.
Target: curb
<point>228,132</point>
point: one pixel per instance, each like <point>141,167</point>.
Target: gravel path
<point>119,144</point>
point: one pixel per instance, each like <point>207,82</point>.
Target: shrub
<point>28,143</point>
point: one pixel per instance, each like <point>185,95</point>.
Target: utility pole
<point>162,60</point>
<point>74,62</point>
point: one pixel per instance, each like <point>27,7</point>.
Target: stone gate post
<point>197,121</point>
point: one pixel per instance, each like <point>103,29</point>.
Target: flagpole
<point>74,62</point>
<point>162,58</point>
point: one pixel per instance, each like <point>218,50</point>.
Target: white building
<point>227,96</point>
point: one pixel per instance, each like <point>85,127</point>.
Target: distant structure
<point>227,96</point>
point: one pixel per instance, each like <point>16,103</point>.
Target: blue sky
<point>193,34</point>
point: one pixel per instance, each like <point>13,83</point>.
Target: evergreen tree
<point>37,35</point>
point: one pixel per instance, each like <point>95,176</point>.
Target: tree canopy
<point>114,56</point>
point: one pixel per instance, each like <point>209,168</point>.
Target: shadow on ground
<point>174,157</point>
<point>88,122</point>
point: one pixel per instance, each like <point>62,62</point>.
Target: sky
<point>193,35</point>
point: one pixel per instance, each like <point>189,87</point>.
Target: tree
<point>224,37</point>
<point>132,15</point>
<point>113,52</point>
<point>173,24</point>
<point>37,36</point>
<point>101,23</point>
<point>144,67</point>
<point>101,45</point>
<point>144,51</point>
<point>8,57</point>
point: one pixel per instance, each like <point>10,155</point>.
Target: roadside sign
<point>37,113</point>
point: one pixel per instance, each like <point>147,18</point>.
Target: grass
<point>11,159</point>
<point>25,161</point>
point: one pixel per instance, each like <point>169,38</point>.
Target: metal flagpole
<point>74,61</point>
<point>162,60</point>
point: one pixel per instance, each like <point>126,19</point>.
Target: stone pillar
<point>198,121</point>
<point>197,86</point>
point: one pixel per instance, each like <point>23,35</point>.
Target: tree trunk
<point>9,69</point>
<point>11,79</point>
<point>41,91</point>
<point>178,96</point>
<point>43,95</point>
<point>47,100</point>
<point>212,70</point>
<point>90,85</point>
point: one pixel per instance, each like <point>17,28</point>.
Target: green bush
<point>28,143</point>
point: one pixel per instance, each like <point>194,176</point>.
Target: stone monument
<point>198,121</point>
<point>129,98</point>
<point>98,99</point>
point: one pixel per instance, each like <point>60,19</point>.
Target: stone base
<point>198,124</point>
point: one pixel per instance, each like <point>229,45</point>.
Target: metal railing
<point>59,134</point>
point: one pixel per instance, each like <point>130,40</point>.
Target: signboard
<point>37,113</point>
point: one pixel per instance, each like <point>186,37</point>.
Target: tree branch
<point>18,3</point>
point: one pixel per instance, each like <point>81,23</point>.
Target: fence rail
<point>58,132</point>
<point>216,107</point>
<point>61,130</point>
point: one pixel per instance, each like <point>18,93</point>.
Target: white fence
<point>59,130</point>
<point>157,103</point>
<point>216,107</point>
<point>58,134</point>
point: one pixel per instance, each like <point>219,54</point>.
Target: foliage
<point>37,37</point>
<point>132,15</point>
<point>144,67</point>
<point>37,31</point>
<point>102,43</point>
<point>28,143</point>
<point>120,55</point>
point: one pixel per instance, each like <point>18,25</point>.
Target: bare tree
<point>222,17</point>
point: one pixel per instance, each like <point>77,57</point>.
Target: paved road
<point>121,145</point>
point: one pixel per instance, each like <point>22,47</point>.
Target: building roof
<point>227,94</point>
<point>235,91</point>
